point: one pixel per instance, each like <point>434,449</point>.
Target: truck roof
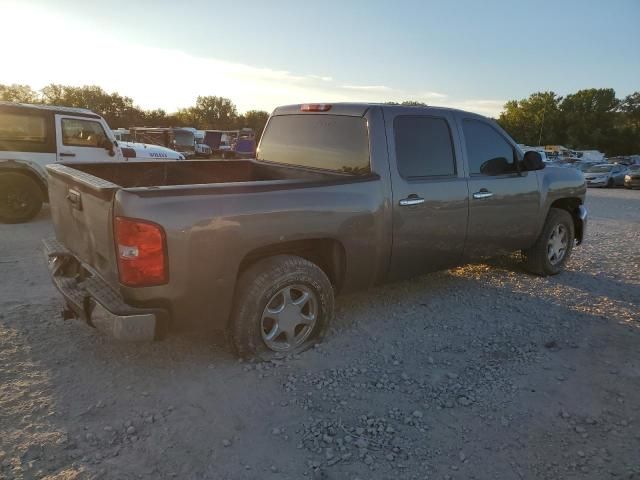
<point>83,112</point>
<point>358,109</point>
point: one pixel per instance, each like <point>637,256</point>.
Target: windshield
<point>184,138</point>
<point>598,169</point>
<point>635,168</point>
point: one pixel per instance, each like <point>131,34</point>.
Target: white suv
<point>32,136</point>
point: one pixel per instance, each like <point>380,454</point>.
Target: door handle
<point>67,154</point>
<point>411,200</point>
<point>484,193</point>
<point>74,198</point>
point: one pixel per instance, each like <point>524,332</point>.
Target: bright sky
<point>468,54</point>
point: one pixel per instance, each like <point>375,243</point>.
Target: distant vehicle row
<point>193,143</point>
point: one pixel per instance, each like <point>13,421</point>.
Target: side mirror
<point>532,161</point>
<point>108,145</point>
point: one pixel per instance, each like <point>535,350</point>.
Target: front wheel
<point>282,306</point>
<point>553,247</point>
<point>611,183</point>
<point>20,198</point>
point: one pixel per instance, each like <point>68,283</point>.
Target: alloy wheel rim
<point>557,244</point>
<point>289,318</point>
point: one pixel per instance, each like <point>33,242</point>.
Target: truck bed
<point>156,174</point>
<point>85,198</point>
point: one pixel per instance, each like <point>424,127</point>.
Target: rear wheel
<point>553,247</point>
<point>20,198</point>
<point>283,306</point>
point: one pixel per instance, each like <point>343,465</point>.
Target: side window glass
<point>82,133</point>
<point>15,127</point>
<point>487,151</point>
<point>423,147</point>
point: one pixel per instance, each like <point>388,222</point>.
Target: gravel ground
<point>479,372</point>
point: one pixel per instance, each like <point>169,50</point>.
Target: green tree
<point>409,103</point>
<point>153,118</point>
<point>254,119</point>
<point>536,120</point>
<point>630,106</point>
<point>18,93</point>
<point>210,112</point>
<point>591,116</point>
<point>118,111</point>
<point>628,126</point>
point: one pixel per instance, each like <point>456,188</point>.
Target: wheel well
<point>327,253</point>
<point>571,205</point>
<point>33,176</point>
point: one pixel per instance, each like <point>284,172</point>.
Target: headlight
<point>627,177</point>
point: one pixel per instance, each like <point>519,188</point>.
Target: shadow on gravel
<point>439,363</point>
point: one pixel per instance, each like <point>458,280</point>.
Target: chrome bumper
<point>91,299</point>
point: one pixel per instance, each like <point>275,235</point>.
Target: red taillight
<point>140,247</point>
<point>315,107</point>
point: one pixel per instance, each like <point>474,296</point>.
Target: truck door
<point>503,202</point>
<point>430,194</point>
<point>83,140</point>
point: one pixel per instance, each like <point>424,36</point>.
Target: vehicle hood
<point>146,150</point>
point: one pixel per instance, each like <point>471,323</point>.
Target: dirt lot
<point>480,372</point>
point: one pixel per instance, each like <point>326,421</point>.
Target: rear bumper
<point>91,299</point>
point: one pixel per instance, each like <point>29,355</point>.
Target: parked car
<point>632,177</point>
<point>605,175</point>
<point>339,198</point>
<point>33,136</point>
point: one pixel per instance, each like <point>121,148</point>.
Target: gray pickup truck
<point>339,198</point>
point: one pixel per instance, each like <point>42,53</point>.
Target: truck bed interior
<point>148,174</point>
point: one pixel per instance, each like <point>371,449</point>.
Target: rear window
<point>328,142</point>
<point>423,147</point>
<point>15,127</point>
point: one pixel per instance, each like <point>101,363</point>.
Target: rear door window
<point>423,147</point>
<point>24,132</point>
<point>328,142</point>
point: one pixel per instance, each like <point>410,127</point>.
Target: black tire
<point>611,183</point>
<point>258,284</point>
<point>536,258</point>
<point>20,198</point>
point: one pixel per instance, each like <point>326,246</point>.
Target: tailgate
<point>81,209</point>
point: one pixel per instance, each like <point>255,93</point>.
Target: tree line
<point>587,119</point>
<point>209,112</point>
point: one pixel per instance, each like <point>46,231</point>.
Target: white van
<point>32,136</point>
